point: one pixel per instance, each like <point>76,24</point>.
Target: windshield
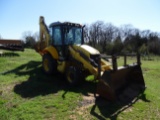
<point>72,35</point>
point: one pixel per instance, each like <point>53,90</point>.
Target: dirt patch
<point>87,100</point>
<point>83,106</point>
<point>73,117</point>
<point>106,108</point>
<point>7,89</point>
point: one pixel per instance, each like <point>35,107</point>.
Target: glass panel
<point>50,32</point>
<point>73,35</point>
<point>57,36</point>
<point>78,36</point>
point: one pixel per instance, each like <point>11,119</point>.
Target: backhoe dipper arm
<point>44,32</point>
<point>44,36</point>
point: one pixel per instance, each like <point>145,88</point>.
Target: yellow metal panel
<point>86,49</point>
<point>79,48</point>
<point>61,66</point>
<point>52,50</point>
<point>86,64</point>
<point>90,49</point>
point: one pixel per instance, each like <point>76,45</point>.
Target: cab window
<point>73,35</point>
<point>56,36</point>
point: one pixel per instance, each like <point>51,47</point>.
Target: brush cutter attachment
<point>13,45</point>
<point>124,83</point>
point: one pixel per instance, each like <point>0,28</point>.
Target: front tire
<point>49,64</point>
<point>74,76</point>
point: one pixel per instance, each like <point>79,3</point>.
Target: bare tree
<point>26,34</point>
<point>86,34</point>
<point>29,39</point>
<point>126,30</point>
<point>95,32</point>
<point>107,36</point>
<point>145,33</point>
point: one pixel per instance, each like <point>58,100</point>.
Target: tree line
<point>110,39</point>
<point>121,40</point>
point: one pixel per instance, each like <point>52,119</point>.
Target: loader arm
<point>90,59</point>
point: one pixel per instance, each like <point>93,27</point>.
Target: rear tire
<point>49,64</point>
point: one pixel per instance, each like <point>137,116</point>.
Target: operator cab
<point>65,34</point>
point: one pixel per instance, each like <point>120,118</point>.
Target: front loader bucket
<point>124,84</point>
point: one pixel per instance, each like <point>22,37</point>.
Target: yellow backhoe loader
<point>63,50</point>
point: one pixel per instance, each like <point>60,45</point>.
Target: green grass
<point>26,93</point>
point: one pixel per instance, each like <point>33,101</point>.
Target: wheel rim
<point>46,65</point>
<point>70,76</point>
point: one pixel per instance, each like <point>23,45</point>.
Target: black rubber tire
<point>74,76</point>
<point>49,64</point>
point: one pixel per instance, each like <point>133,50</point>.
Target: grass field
<point>26,93</point>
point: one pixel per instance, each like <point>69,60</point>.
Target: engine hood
<point>86,49</point>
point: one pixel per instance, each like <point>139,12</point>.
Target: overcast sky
<point>18,16</point>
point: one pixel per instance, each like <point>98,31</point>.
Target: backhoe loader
<point>62,48</point>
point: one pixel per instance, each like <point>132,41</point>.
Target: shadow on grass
<point>111,110</point>
<point>40,84</point>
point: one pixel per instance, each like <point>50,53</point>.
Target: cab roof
<point>65,24</point>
